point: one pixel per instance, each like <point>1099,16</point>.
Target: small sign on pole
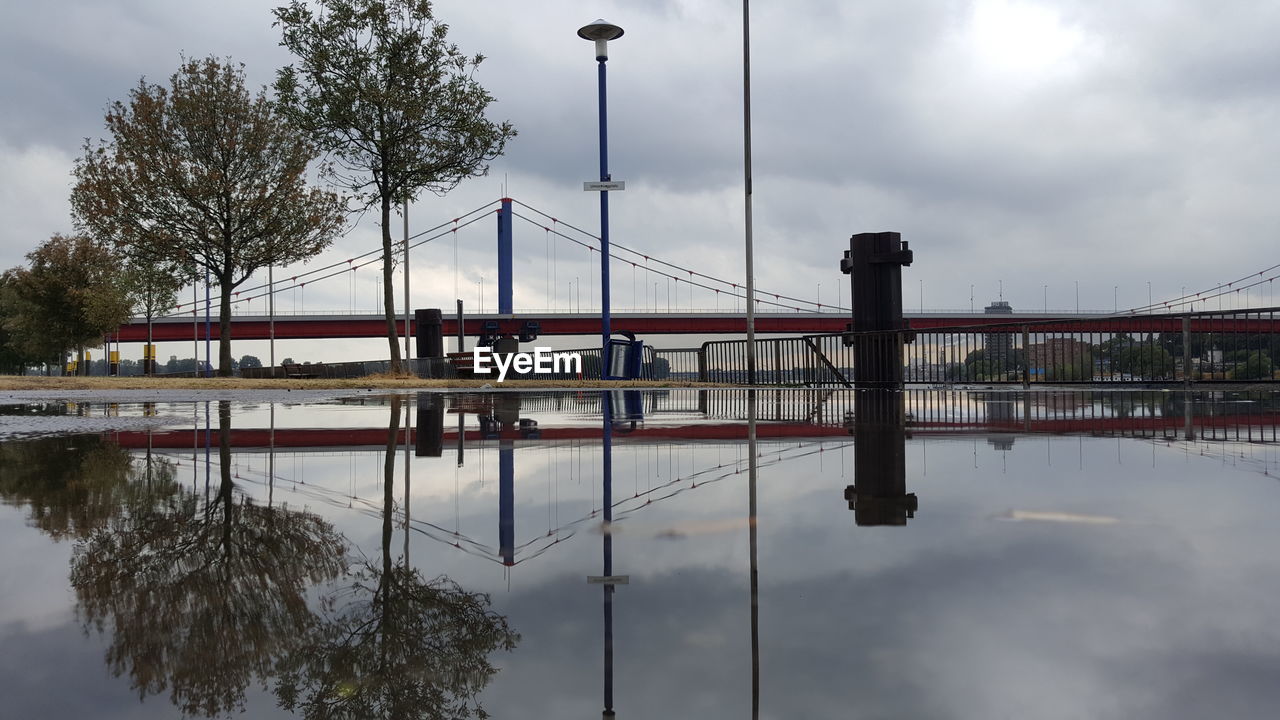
<point>609,579</point>
<point>605,185</point>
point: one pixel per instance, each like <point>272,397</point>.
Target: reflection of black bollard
<point>879,495</point>
<point>875,261</point>
<point>430,439</point>
<point>430,332</point>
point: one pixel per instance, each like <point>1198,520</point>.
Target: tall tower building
<point>998,346</point>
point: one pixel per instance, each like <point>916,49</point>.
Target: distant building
<point>1058,353</point>
<point>998,346</point>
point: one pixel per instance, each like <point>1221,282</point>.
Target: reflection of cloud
<point>80,687</point>
<point>1033,623</point>
<point>1056,517</point>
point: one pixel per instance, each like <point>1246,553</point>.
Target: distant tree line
<point>1237,356</point>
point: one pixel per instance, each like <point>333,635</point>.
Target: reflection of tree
<point>72,484</point>
<point>396,645</point>
<point>203,597</point>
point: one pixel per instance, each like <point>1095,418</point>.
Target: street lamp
<point>601,32</point>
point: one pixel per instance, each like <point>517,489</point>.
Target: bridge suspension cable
<point>1218,291</point>
<point>674,272</point>
<point>350,264</point>
<point>674,266</point>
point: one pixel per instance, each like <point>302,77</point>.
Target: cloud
<point>33,198</point>
<point>1011,142</point>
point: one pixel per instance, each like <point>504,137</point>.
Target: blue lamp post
<point>601,32</point>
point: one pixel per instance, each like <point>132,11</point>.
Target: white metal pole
<point>271,315</point>
<point>746,170</point>
<point>407,311</point>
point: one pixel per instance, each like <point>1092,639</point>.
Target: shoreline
<point>45,384</point>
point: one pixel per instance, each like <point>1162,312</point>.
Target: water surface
<point>920,554</point>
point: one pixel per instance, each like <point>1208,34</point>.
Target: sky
<point>1022,148</point>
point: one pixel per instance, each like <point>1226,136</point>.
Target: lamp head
<point>600,31</point>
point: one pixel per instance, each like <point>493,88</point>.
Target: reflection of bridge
<point>720,415</point>
<point>573,422</point>
<point>1257,429</point>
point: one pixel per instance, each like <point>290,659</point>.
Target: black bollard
<point>877,333</point>
<point>430,335</point>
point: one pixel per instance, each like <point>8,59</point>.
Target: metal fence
<point>1233,346</point>
<point>1236,346</point>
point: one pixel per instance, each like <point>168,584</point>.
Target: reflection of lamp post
<point>754,558</point>
<point>601,32</point>
<point>609,580</point>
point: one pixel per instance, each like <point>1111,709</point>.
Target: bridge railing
<point>807,360</point>
<point>1232,346</point>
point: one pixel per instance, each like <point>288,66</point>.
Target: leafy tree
<point>1145,360</point>
<point>203,175</point>
<point>250,361</point>
<point>380,89</point>
<point>14,358</point>
<point>1256,366</point>
<point>1067,372</point>
<point>660,369</point>
<point>71,484</point>
<point>155,283</point>
<point>73,293</point>
<point>203,596</point>
<point>395,645</point>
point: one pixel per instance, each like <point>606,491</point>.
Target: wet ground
<point>676,553</point>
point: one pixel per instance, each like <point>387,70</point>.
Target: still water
<point>777,554</point>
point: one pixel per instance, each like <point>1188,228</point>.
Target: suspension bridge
<point>664,298</point>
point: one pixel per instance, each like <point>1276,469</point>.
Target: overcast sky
<point>1030,143</point>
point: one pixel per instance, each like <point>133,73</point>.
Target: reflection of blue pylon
<point>507,501</point>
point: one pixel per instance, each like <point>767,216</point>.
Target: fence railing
<point>1236,346</point>
<point>1232,346</point>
